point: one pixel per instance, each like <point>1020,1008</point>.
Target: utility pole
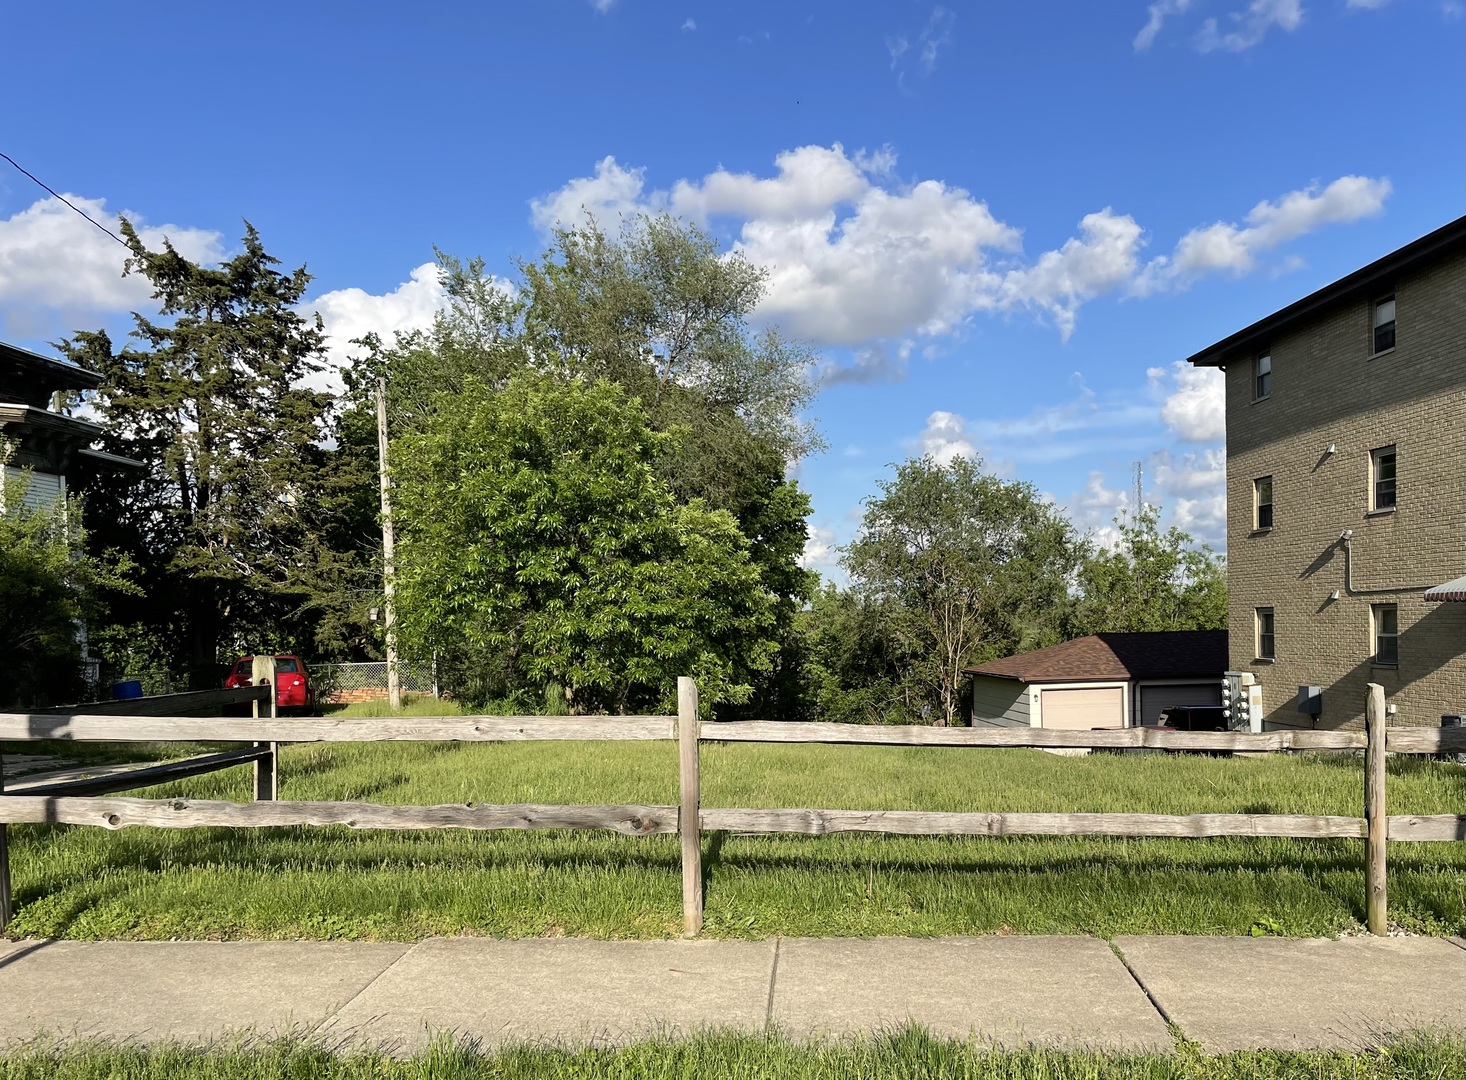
<point>394,685</point>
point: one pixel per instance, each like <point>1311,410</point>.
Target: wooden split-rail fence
<point>81,802</point>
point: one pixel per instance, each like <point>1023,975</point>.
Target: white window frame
<point>1258,614</point>
<point>1375,457</point>
<point>1376,326</point>
<point>1377,635</point>
<point>1262,369</point>
<point>1258,504</point>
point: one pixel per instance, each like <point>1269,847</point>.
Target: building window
<point>1384,325</point>
<point>1262,382</point>
<point>1386,619</point>
<point>1262,499</point>
<point>1265,640</point>
<point>1382,490</point>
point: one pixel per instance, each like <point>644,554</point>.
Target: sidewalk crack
<point>773,977</point>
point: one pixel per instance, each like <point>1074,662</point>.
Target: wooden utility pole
<point>394,685</point>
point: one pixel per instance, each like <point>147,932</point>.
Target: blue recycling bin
<point>126,691</point>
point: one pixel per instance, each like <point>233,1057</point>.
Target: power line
<point>67,201</point>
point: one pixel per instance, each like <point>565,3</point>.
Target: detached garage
<point>1101,681</point>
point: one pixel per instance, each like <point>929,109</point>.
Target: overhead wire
<point>63,198</point>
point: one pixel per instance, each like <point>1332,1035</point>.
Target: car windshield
<point>286,665</point>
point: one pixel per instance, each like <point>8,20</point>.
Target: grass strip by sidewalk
<point>897,1056</point>
<point>335,883</point>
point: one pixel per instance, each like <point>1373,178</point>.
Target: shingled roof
<point>1165,654</point>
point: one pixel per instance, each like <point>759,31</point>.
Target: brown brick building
<point>1346,490</point>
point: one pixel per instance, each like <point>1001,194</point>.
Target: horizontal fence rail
<point>631,820</point>
<point>21,727</point>
<point>73,802</point>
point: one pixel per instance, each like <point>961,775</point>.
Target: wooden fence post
<point>1375,813</point>
<point>267,769</point>
<point>690,808</point>
<point>4,861</point>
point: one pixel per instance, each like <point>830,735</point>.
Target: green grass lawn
<point>338,883</point>
<point>906,1054</point>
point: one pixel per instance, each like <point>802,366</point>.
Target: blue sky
<point>1002,225</point>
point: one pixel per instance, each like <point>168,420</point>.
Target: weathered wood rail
<point>72,803</point>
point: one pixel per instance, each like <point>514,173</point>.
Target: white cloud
<point>690,24</point>
<point>604,197</point>
<point>820,550</point>
<point>1372,5</point>
<point>810,181</point>
<point>919,53</point>
<point>1225,246</point>
<point>945,438</point>
<point>353,313</point>
<point>1159,12</point>
<point>603,6</point>
<point>855,256</point>
<point>1194,487</point>
<point>1195,406</point>
<point>1251,26</point>
<point>52,257</point>
<point>1102,259</point>
<point>1094,509</point>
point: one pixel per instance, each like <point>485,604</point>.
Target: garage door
<point>1083,709</point>
<point>1155,699</point>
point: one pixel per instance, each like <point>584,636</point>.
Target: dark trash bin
<point>126,691</point>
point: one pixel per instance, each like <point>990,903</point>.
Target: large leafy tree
<point>1151,579</point>
<point>212,397</point>
<point>534,529</point>
<point>660,312</point>
<point>962,566</point>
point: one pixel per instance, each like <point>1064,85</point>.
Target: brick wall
<point>1327,389</point>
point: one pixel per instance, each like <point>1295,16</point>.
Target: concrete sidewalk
<point>1226,993</point>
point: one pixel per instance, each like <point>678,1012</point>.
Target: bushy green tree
<point>854,670</point>
<point>962,567</point>
<point>534,529</point>
<point>1151,579</point>
<point>47,591</point>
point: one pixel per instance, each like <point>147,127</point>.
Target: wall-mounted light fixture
<point>1334,596</point>
<point>1333,448</point>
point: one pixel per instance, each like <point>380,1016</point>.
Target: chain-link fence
<point>346,683</point>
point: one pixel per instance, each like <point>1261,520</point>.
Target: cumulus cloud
<point>1102,258</point>
<point>1159,12</point>
<point>353,313</point>
<point>856,256</point>
<point>51,257</point>
<point>605,197</point>
<point>1249,27</point>
<point>1195,403</point>
<point>820,550</point>
<point>1228,247</point>
<point>1194,486</point>
<point>945,438</point>
<point>690,24</point>
<point>603,6</point>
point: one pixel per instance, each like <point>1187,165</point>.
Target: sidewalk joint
<point>1175,1028</point>
<point>378,977</point>
<point>773,976</point>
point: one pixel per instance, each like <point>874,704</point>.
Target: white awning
<point>1451,591</point>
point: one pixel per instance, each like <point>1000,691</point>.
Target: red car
<point>293,687</point>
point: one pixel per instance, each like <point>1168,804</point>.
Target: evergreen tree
<point>225,524</point>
